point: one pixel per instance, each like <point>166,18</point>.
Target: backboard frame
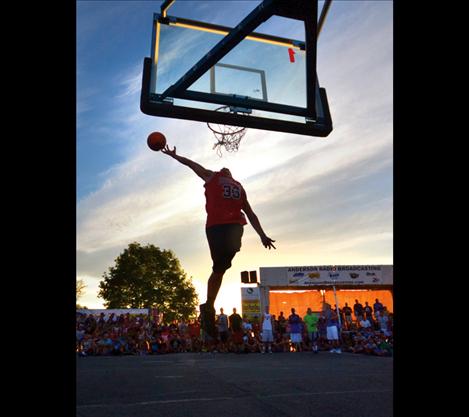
<point>317,121</point>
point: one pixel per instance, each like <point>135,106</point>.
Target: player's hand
<point>267,242</point>
<point>168,151</point>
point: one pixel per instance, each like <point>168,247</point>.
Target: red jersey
<point>225,198</point>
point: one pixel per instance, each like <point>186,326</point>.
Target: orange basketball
<point>156,141</point>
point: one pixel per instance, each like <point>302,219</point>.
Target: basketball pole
<point>339,330</point>
<point>322,18</point>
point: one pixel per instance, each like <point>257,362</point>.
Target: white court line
<point>185,400</point>
<point>296,394</point>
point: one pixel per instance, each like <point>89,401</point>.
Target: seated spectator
<point>117,345</point>
<point>277,344</point>
<point>384,319</point>
<point>287,344</point>
<point>196,344</point>
<point>89,346</point>
<point>365,323</point>
<point>105,345</point>
<point>369,346</point>
<point>358,347</point>
<point>247,326</point>
<point>79,334</point>
<point>384,347</point>
<point>153,345</point>
<point>251,343</point>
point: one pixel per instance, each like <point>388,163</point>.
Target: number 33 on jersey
<point>225,199</point>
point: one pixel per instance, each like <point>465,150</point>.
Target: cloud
<point>130,83</point>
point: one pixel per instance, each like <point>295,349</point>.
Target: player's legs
<point>213,286</point>
<point>224,242</point>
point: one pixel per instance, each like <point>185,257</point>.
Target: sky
<point>326,201</point>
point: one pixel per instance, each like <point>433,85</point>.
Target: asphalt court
<point>235,385</point>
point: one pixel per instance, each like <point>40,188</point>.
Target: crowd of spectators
<point>367,331</point>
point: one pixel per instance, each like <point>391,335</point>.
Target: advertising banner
<point>331,275</point>
<point>251,303</point>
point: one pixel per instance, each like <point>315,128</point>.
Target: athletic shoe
<point>207,320</point>
<point>338,351</point>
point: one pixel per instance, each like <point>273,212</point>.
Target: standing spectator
<point>322,330</point>
<point>332,324</point>
<point>91,324</point>
<point>267,331</point>
<point>358,311</point>
<point>295,324</point>
<point>236,328</point>
<point>194,328</point>
<point>339,313</point>
<point>101,321</point>
<point>282,324</point>
<point>275,327</point>
<point>222,323</point>
<point>348,316</point>
<point>377,308</point>
<point>311,320</point>
<point>110,321</point>
<point>368,312</point>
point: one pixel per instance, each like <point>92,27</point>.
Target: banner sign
<point>251,303</point>
<point>334,275</point>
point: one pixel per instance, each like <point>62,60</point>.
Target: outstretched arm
<point>266,241</point>
<point>198,169</point>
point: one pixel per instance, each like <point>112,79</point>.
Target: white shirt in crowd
<point>267,322</point>
<point>247,326</point>
<point>365,323</point>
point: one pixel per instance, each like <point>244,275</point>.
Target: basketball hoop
<point>227,135</point>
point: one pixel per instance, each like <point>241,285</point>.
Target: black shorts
<point>224,241</point>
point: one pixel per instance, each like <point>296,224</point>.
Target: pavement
<point>298,384</point>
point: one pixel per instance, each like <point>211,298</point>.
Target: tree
<point>80,290</point>
<point>146,276</point>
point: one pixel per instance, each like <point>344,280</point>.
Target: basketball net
<point>226,135</point>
